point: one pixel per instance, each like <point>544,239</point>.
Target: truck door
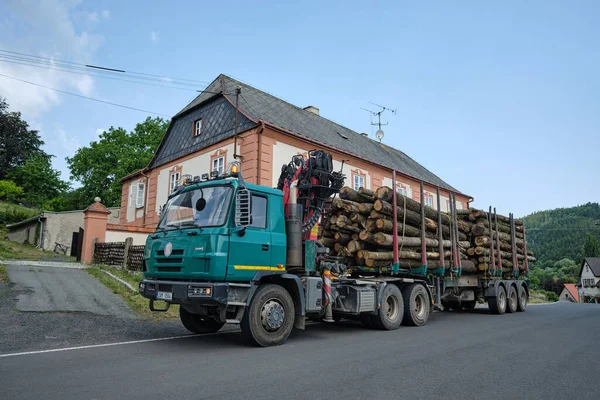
<point>251,251</point>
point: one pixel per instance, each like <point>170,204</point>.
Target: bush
<point>15,214</point>
<point>10,191</point>
<point>551,296</point>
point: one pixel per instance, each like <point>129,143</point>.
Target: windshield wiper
<point>176,226</point>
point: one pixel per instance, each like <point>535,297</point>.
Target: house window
<point>174,180</point>
<point>429,200</point>
<point>197,127</point>
<point>140,196</point>
<point>218,164</point>
<point>359,181</point>
<point>402,190</point>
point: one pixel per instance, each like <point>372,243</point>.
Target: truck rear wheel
<point>497,304</point>
<point>416,305</point>
<point>391,311</point>
<point>198,324</point>
<point>269,319</point>
<point>523,299</point>
<point>512,300</point>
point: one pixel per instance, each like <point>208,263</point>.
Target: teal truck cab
<point>228,251</point>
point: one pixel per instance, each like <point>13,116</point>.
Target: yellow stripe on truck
<point>259,267</point>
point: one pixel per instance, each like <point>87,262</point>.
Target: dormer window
<point>197,127</point>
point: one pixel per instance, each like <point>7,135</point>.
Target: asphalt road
<point>549,352</point>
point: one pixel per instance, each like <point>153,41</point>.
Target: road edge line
<point>120,281</point>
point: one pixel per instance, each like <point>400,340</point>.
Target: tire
<point>469,305</point>
<point>416,305</point>
<point>512,300</point>
<point>198,324</point>
<point>497,304</point>
<point>269,319</point>
<point>523,299</point>
<point>392,309</point>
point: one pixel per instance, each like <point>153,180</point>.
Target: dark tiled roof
<point>594,263</point>
<point>259,105</point>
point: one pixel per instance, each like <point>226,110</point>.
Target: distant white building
<point>569,293</point>
<point>590,278</point>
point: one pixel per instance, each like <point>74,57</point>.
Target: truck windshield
<point>202,207</point>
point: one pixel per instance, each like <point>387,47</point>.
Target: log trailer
<point>228,251</point>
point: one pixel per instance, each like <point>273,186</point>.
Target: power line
<point>85,97</point>
<point>97,75</point>
<point>141,74</point>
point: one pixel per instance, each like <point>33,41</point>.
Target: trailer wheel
<point>269,319</point>
<point>392,309</point>
<point>512,300</point>
<point>198,324</point>
<point>523,299</point>
<point>416,305</point>
<point>497,304</point>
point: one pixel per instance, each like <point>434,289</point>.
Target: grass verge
<point>17,251</point>
<point>541,297</point>
<point>4,274</point>
<point>137,302</point>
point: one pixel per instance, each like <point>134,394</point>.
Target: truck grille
<point>170,260</point>
<point>174,252</point>
<point>169,269</point>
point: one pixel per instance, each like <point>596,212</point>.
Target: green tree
<point>17,141</point>
<point>40,182</point>
<point>591,247</point>
<point>100,166</point>
<point>10,191</point>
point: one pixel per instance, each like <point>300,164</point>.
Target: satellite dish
<point>379,134</point>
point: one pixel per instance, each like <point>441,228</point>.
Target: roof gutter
<point>296,135</point>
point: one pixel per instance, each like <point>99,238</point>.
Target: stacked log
<point>491,240</point>
<point>359,228</point>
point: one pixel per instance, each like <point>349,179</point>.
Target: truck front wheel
<point>198,324</point>
<point>392,309</point>
<point>269,319</point>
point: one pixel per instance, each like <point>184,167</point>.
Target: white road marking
<point>120,281</point>
<point>93,346</point>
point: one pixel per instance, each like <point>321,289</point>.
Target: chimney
<point>312,109</point>
<point>364,134</point>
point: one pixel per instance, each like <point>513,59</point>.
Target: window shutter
<point>141,191</point>
<point>132,195</point>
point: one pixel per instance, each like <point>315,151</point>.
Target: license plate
<point>164,296</point>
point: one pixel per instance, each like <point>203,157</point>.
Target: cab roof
<point>235,183</point>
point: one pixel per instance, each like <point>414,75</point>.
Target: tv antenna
<point>379,133</point>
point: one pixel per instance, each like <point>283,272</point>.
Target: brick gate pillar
<point>94,227</point>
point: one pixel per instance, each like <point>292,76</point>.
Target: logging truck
<point>228,251</point>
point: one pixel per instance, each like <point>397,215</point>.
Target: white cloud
<point>105,14</point>
<point>52,29</point>
<point>154,36</point>
<point>69,143</point>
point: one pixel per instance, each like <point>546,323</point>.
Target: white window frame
<point>402,190</point>
<point>197,127</point>
<point>140,195</point>
<point>220,168</point>
<point>428,201</point>
<point>360,183</point>
<point>173,180</point>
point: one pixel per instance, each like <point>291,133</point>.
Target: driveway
<point>63,288</point>
<point>54,305</point>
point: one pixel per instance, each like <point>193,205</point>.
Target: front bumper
<point>206,293</point>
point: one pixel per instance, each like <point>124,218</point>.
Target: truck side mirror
<point>243,205</point>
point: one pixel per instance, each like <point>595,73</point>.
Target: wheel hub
<point>391,307</point>
<point>420,306</point>
<point>272,315</point>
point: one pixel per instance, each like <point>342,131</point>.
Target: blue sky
<point>500,99</point>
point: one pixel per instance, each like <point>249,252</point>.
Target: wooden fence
<point>122,254</point>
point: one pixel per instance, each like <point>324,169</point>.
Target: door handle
<point>265,247</point>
